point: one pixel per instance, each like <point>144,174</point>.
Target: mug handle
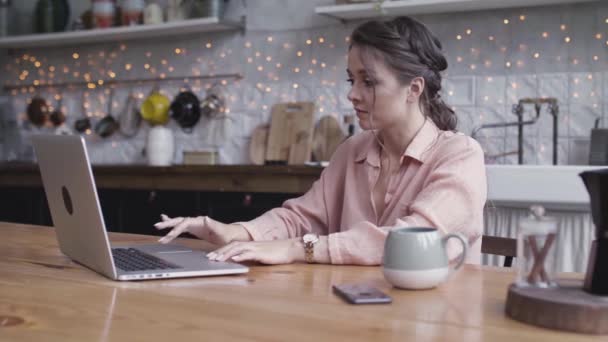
<point>462,240</point>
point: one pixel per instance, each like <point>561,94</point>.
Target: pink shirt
<point>441,183</point>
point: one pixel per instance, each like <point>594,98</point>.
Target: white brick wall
<point>479,84</point>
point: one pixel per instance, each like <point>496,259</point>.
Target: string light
<point>94,81</point>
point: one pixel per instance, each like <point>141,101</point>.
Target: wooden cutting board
<point>326,137</point>
<point>290,135</point>
<point>257,144</point>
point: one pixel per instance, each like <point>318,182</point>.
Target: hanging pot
<point>186,110</point>
<point>213,104</point>
<point>155,108</point>
<point>38,111</point>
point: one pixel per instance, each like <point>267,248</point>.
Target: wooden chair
<point>495,245</point>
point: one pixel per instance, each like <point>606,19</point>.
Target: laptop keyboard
<point>131,259</point>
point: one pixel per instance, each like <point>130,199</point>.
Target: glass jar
<point>205,8</point>
<point>132,12</point>
<point>536,249</point>
<point>103,13</point>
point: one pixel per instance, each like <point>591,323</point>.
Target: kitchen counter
<point>557,187</point>
<point>229,178</point>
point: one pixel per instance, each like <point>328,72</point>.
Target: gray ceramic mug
<point>416,258</point>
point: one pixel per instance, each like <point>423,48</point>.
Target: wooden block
<point>257,144</point>
<point>200,158</point>
<point>327,136</point>
<point>290,135</point>
<point>566,307</point>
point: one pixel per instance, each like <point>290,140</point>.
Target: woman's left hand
<point>267,252</point>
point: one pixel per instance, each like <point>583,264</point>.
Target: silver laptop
<point>81,232</point>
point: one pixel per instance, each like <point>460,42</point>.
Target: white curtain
<point>575,232</point>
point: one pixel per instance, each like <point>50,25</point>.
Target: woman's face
<point>390,106</point>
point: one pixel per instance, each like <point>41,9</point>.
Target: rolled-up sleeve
<point>296,217</point>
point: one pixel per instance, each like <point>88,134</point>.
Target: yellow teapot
<point>155,108</point>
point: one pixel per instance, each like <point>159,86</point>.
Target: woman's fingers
<point>180,228</point>
<point>229,251</point>
<point>245,256</point>
<point>168,222</point>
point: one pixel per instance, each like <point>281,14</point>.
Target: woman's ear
<point>416,89</point>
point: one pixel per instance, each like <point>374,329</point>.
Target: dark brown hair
<point>411,50</point>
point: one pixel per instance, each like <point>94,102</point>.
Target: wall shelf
<point>413,7</point>
<point>119,34</point>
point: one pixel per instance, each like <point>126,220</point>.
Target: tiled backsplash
<point>287,53</point>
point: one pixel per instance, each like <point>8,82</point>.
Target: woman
<point>408,167</point>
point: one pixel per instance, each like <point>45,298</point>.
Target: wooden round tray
<point>566,307</point>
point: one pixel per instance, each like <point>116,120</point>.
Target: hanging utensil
<point>57,116</point>
<point>130,119</point>
<point>186,110</point>
<point>108,125</point>
<point>83,124</point>
<point>213,106</point>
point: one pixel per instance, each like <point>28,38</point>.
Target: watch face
<point>310,238</point>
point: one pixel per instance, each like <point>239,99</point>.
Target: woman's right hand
<point>203,227</point>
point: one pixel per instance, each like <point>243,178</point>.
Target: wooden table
<point>46,297</point>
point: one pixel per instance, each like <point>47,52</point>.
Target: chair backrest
<point>495,245</point>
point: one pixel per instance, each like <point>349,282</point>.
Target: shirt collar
<point>423,140</point>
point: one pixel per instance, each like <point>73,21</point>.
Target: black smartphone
<point>361,294</point>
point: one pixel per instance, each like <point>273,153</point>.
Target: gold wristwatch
<point>309,241</point>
